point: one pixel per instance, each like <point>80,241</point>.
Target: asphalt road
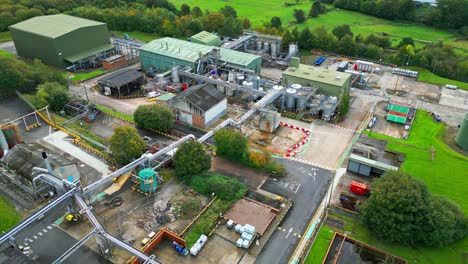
<point>306,191</point>
<point>47,241</point>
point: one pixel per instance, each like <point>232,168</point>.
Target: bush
<point>126,144</point>
<point>187,207</point>
<point>226,188</point>
<point>191,159</point>
<point>54,93</point>
<point>154,117</point>
<point>231,144</point>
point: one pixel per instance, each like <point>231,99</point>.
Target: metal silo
<point>266,46</point>
<point>290,99</point>
<point>301,103</point>
<point>462,136</point>
<point>273,50</point>
<point>259,45</point>
<point>296,86</point>
<point>314,106</point>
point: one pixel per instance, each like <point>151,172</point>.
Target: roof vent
<point>338,77</point>
<point>293,69</point>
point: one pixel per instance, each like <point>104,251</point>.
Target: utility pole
<point>86,91</point>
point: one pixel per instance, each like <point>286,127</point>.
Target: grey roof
<point>205,96</point>
<point>121,77</point>
<point>372,163</point>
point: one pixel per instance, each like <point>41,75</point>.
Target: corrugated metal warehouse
<point>200,105</point>
<point>206,38</point>
<point>327,81</point>
<point>163,54</point>
<point>62,40</point>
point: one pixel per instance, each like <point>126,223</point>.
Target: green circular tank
<point>462,136</point>
<point>148,180</point>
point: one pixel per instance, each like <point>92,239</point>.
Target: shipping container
<point>359,188</point>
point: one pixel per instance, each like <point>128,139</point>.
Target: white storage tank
<point>237,228</point>
<point>290,99</point>
<point>273,50</point>
<point>250,229</point>
<point>175,75</point>
<point>239,242</point>
<point>231,77</point>
<point>278,87</point>
<point>259,45</point>
<point>245,244</point>
<point>247,84</point>
<point>296,86</point>
<point>266,46</point>
<point>230,223</point>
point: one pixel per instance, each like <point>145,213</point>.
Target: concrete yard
<point>455,98</point>
<point>247,211</point>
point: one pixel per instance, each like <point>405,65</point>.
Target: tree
<point>373,52</point>
<point>228,11</point>
<point>154,117</point>
<point>231,144</point>
<point>54,93</point>
<point>190,160</point>
<point>325,41</point>
<point>196,12</point>
<point>194,26</point>
<point>406,41</point>
<point>316,9</point>
<point>341,31</point>
<point>275,22</point>
<point>307,40</point>
<point>344,104</point>
<point>126,145</point>
<point>346,46</point>
<point>232,27</point>
<point>299,15</point>
<point>287,39</point>
<point>246,23</point>
<point>213,22</point>
<point>185,10</point>
<point>400,209</point>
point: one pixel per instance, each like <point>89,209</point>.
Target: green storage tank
<point>462,136</point>
<point>148,180</point>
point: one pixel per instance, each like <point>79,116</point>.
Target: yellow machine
<point>72,217</point>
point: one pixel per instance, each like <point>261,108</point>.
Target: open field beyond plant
<point>8,215</point>
<point>259,12</point>
<point>429,77</point>
<point>5,36</point>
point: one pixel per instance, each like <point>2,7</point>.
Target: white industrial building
<point>201,105</point>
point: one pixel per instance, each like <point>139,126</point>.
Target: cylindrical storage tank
<point>327,111</point>
<point>231,77</point>
<point>175,75</point>
<point>292,48</point>
<point>266,46</point>
<point>301,104</point>
<point>462,137</point>
<point>247,84</point>
<point>148,180</point>
<point>314,106</point>
<point>259,45</point>
<point>333,99</point>
<point>277,87</point>
<point>296,86</point>
<point>159,78</point>
<point>240,78</point>
<point>273,50</point>
<point>290,99</point>
<point>256,82</point>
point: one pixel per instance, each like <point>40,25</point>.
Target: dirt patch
<point>251,177</point>
<point>247,211</point>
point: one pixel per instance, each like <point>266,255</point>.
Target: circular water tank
<point>148,181</point>
<point>259,45</point>
<point>296,86</point>
<point>291,91</point>
<point>277,87</point>
<point>273,50</point>
<point>462,136</point>
<point>247,84</point>
<point>240,77</point>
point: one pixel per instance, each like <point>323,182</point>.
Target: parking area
<point>455,98</point>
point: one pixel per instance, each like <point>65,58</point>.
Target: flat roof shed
<point>206,38</point>
<point>122,81</point>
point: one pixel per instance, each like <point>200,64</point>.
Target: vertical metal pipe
<point>47,163</point>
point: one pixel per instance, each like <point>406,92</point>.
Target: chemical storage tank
<point>296,86</point>
<point>273,50</point>
<point>314,106</point>
<point>148,180</point>
<point>278,88</point>
<point>462,137</point>
<point>175,75</point>
<point>328,110</point>
<point>247,84</point>
<point>290,99</point>
<point>259,45</point>
<point>159,77</point>
<point>266,46</point>
<point>231,77</point>
<point>301,103</point>
<point>240,78</point>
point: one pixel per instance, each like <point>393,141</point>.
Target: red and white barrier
<point>305,138</point>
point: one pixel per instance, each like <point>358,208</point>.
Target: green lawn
<point>5,36</point>
<point>428,77</point>
<point>141,36</point>
<point>77,77</point>
<point>320,247</point>
<point>6,54</point>
<point>8,215</point>
<point>360,23</point>
<point>115,113</point>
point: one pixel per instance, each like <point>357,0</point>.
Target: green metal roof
<point>398,108</point>
<point>396,118</point>
<point>165,97</point>
<point>318,74</point>
<point>54,26</point>
<point>189,51</point>
<point>88,53</point>
<point>372,163</point>
<point>206,38</point>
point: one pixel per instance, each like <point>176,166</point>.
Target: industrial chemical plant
<point>290,108</point>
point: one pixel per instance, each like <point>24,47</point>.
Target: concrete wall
<point>34,46</point>
<point>215,113</point>
<point>160,62</point>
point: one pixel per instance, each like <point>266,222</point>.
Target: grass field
<point>8,215</point>
<point>141,36</point>
<point>5,36</point>
<point>77,77</point>
<point>259,12</point>
<point>6,54</point>
<point>115,113</point>
<point>429,77</point>
<point>319,248</point>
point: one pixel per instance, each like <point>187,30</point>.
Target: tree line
<point>447,13</point>
<point>438,58</point>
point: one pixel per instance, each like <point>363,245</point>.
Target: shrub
<point>191,159</point>
<point>231,144</point>
<point>154,117</point>
<point>225,188</point>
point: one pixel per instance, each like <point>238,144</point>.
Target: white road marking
<point>289,232</point>
<point>297,188</point>
<point>50,228</point>
<point>39,233</point>
<point>44,230</point>
<point>35,237</point>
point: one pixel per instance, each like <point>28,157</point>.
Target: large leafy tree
<point>54,94</point>
<point>341,31</point>
<point>185,10</point>
<point>346,46</point>
<point>190,160</point>
<point>231,144</point>
<point>154,117</point>
<point>400,209</point>
<point>275,22</point>
<point>228,11</point>
<point>316,9</point>
<point>213,22</point>
<point>125,144</point>
<point>299,15</point>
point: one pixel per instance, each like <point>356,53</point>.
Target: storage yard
<point>308,117</point>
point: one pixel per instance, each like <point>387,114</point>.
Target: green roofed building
<point>328,82</point>
<point>165,53</point>
<point>206,38</point>
<point>62,40</point>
